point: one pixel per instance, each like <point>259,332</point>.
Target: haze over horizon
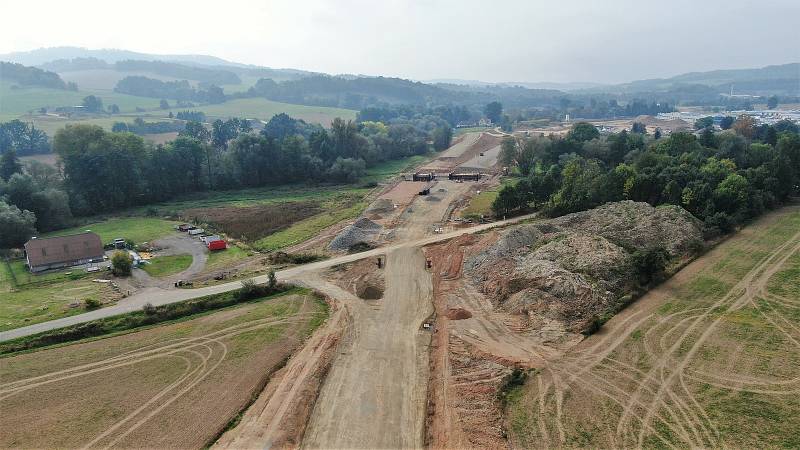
<point>513,41</point>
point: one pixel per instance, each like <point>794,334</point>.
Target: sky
<point>606,41</point>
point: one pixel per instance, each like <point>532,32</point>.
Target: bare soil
<point>251,223</point>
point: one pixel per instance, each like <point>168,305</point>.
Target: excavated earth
<point>576,267</point>
<point>516,298</point>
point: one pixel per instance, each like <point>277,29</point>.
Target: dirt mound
<point>576,268</point>
<point>380,206</point>
<point>635,225</point>
<point>363,231</point>
<point>458,314</point>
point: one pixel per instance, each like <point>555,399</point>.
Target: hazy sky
<point>490,40</point>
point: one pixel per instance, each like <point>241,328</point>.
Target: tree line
<point>723,178</point>
<point>103,171</point>
<point>176,90</point>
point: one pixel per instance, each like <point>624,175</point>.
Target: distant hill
<point>526,84</point>
<point>43,55</point>
<point>781,79</point>
<point>59,58</point>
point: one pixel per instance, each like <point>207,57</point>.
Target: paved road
<point>158,296</point>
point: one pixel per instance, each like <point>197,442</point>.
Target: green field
<point>25,99</point>
<point>162,266</point>
<point>388,169</point>
<point>308,228</point>
<point>481,204</point>
<point>253,197</point>
<point>137,229</point>
<point>223,258</point>
<point>39,298</point>
<point>261,108</point>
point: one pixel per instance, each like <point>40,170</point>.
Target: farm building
<point>63,251</point>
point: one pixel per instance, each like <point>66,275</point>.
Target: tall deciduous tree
<point>494,112</point>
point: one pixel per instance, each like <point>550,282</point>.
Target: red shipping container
<point>217,245</point>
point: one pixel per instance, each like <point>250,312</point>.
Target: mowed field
<point>171,386</point>
<point>711,358</point>
<point>261,108</point>
<point>21,100</point>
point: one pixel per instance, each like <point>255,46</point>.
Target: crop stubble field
<point>176,385</point>
<point>709,358</point>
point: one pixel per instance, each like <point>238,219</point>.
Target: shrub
<point>91,303</point>
<point>121,263</point>
<point>273,281</point>
<point>650,263</point>
<point>149,309</point>
<point>512,381</point>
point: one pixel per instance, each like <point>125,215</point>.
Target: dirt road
<point>374,395</point>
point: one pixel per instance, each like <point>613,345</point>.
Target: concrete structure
<point>63,251</point>
<point>463,176</point>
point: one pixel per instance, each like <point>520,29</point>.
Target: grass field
<point>388,169</point>
<point>261,108</point>
<point>308,228</point>
<point>174,385</point>
<point>163,266</point>
<point>481,204</point>
<point>708,359</point>
<point>222,258</point>
<point>26,299</point>
<point>137,229</point>
<point>21,100</point>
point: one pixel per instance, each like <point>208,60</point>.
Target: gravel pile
<point>362,231</point>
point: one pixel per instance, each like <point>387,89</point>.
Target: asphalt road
<point>158,296</point>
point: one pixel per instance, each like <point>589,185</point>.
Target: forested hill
<point>31,76</point>
<point>360,92</point>
<point>779,79</point>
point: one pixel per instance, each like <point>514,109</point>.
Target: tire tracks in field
<point>201,355</point>
<point>659,392</point>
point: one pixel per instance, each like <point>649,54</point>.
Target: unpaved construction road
<point>374,395</point>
